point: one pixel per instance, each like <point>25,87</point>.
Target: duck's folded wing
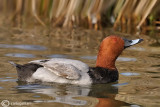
<point>67,71</point>
<point>78,64</point>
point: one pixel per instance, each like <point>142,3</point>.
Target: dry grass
<point>126,15</point>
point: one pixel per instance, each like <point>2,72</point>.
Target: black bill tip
<point>140,40</point>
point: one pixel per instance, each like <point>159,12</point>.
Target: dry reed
<point>126,15</point>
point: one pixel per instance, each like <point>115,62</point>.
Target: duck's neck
<point>106,61</point>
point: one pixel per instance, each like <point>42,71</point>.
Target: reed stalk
<point>125,15</point>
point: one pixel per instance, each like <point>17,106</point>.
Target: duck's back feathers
<point>63,62</point>
<point>65,68</point>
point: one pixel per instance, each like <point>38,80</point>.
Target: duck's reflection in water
<point>100,95</point>
<point>105,94</point>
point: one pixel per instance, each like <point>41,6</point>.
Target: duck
<point>70,71</point>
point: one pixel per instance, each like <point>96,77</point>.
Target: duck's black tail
<point>14,64</point>
<point>25,71</point>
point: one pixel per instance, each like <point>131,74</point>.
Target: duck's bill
<point>129,43</point>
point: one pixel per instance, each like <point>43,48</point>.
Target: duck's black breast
<point>102,75</point>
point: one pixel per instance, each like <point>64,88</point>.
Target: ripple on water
<point>32,87</point>
<point>152,72</point>
<point>8,80</point>
<point>158,77</point>
<point>156,65</point>
<point>125,59</point>
<point>36,96</point>
<point>129,74</point>
<point>68,100</point>
<point>119,58</point>
<point>137,48</point>
<point>135,105</point>
<point>120,84</point>
<point>59,56</point>
<point>154,55</point>
<point>8,77</point>
<point>24,47</point>
<point>89,57</point>
<point>52,90</point>
<point>21,55</point>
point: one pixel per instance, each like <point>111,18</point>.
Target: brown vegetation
<point>124,15</point>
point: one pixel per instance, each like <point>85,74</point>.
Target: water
<point>138,66</point>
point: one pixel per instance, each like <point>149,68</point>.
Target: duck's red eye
<point>114,40</point>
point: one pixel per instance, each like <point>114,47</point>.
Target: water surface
<point>139,69</point>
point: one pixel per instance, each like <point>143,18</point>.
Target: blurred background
<point>127,16</point>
